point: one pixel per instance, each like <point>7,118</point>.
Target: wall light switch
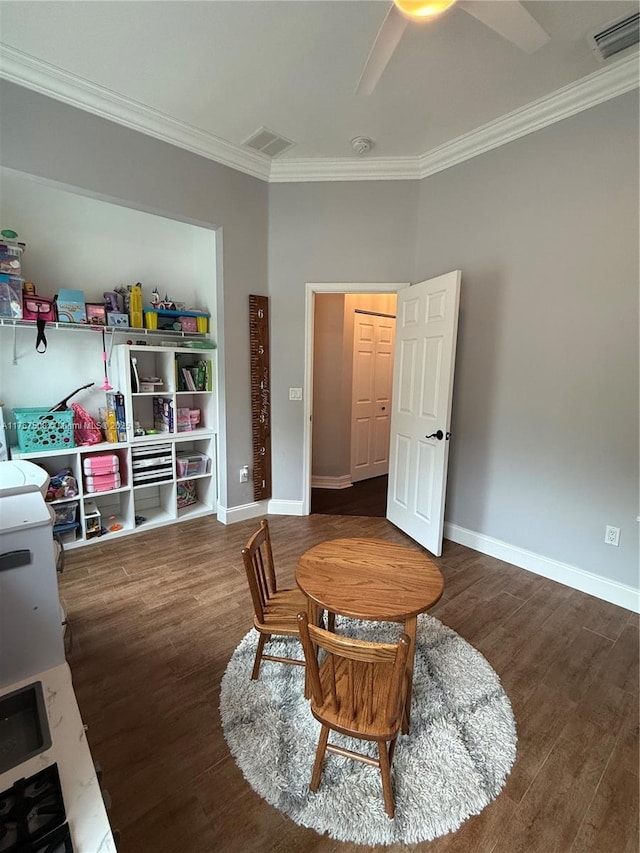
<point>295,393</point>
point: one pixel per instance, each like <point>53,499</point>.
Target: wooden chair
<point>275,610</point>
<point>358,690</point>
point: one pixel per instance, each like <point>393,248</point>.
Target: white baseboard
<point>608,590</point>
<point>276,507</point>
<point>341,482</point>
<point>231,515</point>
<point>258,509</point>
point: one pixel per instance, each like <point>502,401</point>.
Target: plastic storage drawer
<point>191,464</point>
<point>67,533</point>
<point>10,296</point>
<point>10,259</point>
<point>66,513</point>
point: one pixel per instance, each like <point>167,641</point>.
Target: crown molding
<point>604,84</point>
<point>297,170</point>
<point>47,79</point>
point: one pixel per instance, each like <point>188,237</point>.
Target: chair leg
<point>262,639</point>
<point>385,771</point>
<point>320,751</point>
<point>392,749</point>
<point>405,721</point>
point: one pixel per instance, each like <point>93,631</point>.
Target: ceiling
<point>207,75</point>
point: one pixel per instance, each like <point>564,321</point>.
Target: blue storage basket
<point>39,429</point>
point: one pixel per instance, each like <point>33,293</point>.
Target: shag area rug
<point>453,762</point>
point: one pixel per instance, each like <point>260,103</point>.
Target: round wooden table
<point>371,579</point>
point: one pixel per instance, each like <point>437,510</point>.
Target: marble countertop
<point>86,813</point>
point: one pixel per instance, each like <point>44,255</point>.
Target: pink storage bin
<point>101,482</point>
<point>104,463</point>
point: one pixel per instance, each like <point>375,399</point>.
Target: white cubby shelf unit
<point>137,504</point>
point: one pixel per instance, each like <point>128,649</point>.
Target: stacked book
<point>195,377</point>
<point>116,424</point>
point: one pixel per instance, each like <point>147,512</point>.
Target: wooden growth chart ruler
<point>260,396</point>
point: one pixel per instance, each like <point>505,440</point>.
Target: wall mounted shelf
<point>109,330</point>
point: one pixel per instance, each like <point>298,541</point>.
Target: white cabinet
<point>168,464</point>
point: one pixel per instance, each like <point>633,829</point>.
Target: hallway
<point>367,498</point>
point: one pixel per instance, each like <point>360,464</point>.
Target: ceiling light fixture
<point>423,9</point>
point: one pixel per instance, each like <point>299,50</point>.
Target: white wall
<point>545,410</point>
<point>344,232</point>
<point>79,242</point>
<point>99,159</point>
<point>545,413</point>
<point>330,440</point>
<point>90,245</point>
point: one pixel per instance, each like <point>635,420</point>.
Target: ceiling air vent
<point>616,37</point>
<point>268,142</point>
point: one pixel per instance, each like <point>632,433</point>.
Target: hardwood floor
<point>156,616</point>
<point>368,498</point>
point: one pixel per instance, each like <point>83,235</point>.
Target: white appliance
<point>31,639</point>
<point>3,437</point>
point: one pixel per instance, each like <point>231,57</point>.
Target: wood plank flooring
<point>156,616</point>
<point>368,498</point>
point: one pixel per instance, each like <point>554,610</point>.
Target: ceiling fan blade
<point>509,19</point>
<point>381,51</point>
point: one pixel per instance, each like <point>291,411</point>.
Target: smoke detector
<point>361,144</point>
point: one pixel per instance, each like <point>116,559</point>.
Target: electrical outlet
<point>244,474</point>
<point>612,535</point>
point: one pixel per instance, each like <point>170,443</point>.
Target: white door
<point>426,331</point>
<point>373,337</point>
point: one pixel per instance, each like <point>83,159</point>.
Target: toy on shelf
<point>111,302</point>
<point>62,485</point>
<point>124,292</point>
<point>92,520</point>
<point>70,306</point>
<point>166,304</point>
<point>186,494</point>
<point>131,303</point>
<point>135,306</point>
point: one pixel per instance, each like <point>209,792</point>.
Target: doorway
<point>328,485</point>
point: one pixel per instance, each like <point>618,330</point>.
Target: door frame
<point>311,288</point>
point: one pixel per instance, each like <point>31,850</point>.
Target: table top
<point>369,579</point>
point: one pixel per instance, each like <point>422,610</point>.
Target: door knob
<point>439,435</point>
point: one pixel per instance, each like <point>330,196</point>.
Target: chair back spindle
<point>362,680</point>
<point>358,690</point>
